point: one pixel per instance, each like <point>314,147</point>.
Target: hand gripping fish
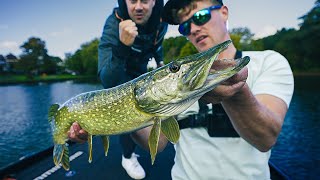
<point>152,99</point>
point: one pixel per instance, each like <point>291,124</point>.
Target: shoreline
<point>300,74</point>
<point>21,79</point>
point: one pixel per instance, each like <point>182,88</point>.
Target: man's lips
<point>200,38</point>
<point>139,16</point>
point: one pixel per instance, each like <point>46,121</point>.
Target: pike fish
<point>152,99</point>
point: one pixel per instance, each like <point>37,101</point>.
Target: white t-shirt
<point>199,156</point>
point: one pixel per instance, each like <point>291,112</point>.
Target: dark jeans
<point>127,145</point>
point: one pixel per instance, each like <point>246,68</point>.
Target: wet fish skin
<point>151,99</point>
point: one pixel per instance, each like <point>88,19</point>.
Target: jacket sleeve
<point>159,50</point>
<point>112,55</point>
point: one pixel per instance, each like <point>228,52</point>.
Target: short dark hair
<point>171,8</point>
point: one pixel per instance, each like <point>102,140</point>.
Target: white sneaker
<point>133,168</point>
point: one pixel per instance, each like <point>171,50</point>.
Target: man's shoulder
<point>261,54</point>
<point>111,26</point>
<point>112,18</point>
<point>265,58</point>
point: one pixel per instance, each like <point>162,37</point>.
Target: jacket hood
<point>154,20</point>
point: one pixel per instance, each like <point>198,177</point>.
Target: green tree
<point>188,49</point>
<point>33,53</point>
<point>172,47</point>
<point>310,37</point>
<point>312,18</point>
<point>35,59</point>
<point>50,65</point>
<point>300,47</point>
<point>242,38</point>
<point>85,60</point>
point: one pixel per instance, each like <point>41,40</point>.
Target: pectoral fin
<point>90,147</point>
<point>154,139</point>
<point>105,141</point>
<point>170,128</point>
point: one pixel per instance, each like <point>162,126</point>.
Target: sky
<point>65,25</point>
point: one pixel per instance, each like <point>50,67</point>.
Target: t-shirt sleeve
<point>275,78</point>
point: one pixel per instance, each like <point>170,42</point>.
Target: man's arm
<point>141,138</point>
<point>112,55</point>
<point>114,50</point>
<point>257,118</point>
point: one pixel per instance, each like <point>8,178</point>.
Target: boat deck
<point>40,165</point>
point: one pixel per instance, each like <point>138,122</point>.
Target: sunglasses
<point>199,18</point>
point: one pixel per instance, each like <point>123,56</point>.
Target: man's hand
<point>128,31</point>
<point>228,88</point>
<point>76,134</point>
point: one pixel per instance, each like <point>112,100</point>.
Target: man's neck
<point>228,53</point>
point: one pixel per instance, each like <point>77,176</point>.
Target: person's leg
<point>129,158</point>
<point>127,145</point>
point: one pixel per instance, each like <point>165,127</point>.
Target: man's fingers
<point>241,76</point>
<point>77,134</point>
<point>132,32</point>
<point>83,135</point>
<point>76,127</point>
<point>126,23</point>
<point>128,31</point>
<point>129,27</point>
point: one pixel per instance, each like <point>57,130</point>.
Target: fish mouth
<point>221,71</point>
<point>198,73</point>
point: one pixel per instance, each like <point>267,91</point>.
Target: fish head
<point>172,88</point>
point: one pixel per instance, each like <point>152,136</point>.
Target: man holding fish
<point>233,136</point>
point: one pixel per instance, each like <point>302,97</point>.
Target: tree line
<point>300,47</point>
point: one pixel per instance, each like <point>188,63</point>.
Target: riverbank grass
<point>17,79</point>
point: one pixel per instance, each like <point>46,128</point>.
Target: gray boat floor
<point>101,167</point>
<point>40,165</point>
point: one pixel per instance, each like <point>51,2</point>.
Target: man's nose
<point>194,28</point>
<point>138,6</point>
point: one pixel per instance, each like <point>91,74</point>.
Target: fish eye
<point>174,68</point>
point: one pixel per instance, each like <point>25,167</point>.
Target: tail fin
<point>61,155</point>
<point>52,111</point>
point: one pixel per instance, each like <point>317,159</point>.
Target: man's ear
<point>225,13</point>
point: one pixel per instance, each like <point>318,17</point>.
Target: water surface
<point>24,128</point>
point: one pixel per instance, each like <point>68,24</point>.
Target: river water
<point>24,128</point>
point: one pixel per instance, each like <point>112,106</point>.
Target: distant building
<point>7,63</point>
<point>3,63</point>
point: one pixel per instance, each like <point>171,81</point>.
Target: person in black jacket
<point>132,36</point>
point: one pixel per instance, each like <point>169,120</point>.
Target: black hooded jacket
<point>119,63</point>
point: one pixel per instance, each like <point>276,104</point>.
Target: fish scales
<point>152,99</point>
<point>104,112</point>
